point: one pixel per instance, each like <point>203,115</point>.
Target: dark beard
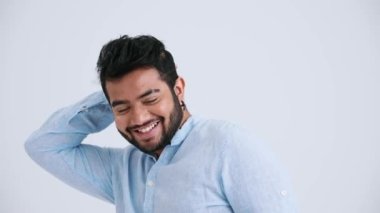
<point>175,119</point>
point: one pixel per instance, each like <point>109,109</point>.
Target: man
<point>178,162</point>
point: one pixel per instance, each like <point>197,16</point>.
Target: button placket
<point>149,189</point>
<point>151,181</point>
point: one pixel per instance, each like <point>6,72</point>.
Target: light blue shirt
<point>210,166</point>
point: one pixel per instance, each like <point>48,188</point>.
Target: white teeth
<point>148,128</point>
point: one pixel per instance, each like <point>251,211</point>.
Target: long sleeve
<point>56,146</point>
<point>252,178</point>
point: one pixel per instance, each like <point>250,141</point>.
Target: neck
<point>186,115</point>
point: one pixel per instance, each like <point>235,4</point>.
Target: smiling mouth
<point>146,128</point>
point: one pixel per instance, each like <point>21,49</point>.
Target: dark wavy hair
<point>126,54</point>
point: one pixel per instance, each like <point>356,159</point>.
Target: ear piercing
<point>183,105</point>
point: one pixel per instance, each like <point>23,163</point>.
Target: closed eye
<point>150,101</point>
<point>121,110</point>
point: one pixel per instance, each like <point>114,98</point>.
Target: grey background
<point>303,75</point>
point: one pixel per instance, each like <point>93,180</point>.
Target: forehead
<point>134,83</point>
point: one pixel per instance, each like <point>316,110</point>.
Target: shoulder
<point>224,133</point>
<point>220,128</point>
<point>232,138</point>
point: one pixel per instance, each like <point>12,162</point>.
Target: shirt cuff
<point>91,114</point>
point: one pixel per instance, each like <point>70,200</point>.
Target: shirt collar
<point>182,133</point>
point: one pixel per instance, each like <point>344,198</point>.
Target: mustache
<point>133,127</point>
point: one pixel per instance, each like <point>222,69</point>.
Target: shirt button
<point>150,183</point>
<point>284,193</point>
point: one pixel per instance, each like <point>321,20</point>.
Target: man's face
<point>147,112</point>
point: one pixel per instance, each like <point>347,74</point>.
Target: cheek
<point>165,107</point>
<point>120,123</point>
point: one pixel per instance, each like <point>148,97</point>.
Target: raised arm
<point>56,146</point>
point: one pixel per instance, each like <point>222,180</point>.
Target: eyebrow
<point>146,93</point>
<point>149,92</point>
<point>118,102</point>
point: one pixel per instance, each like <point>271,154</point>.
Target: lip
<point>145,136</point>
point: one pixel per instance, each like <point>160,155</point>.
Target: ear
<point>179,88</point>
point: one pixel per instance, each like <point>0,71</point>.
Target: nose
<point>139,115</point>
